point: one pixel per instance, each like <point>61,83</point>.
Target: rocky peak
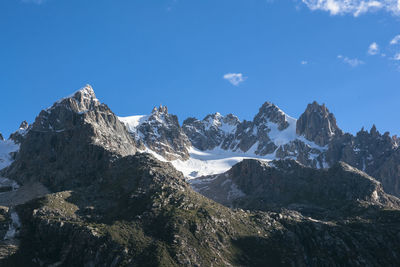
<point>374,132</point>
<point>64,113</point>
<point>160,117</point>
<point>1,137</point>
<point>317,124</point>
<point>75,133</point>
<point>396,140</point>
<point>217,121</point>
<point>213,118</point>
<point>160,132</point>
<point>213,131</point>
<point>19,135</point>
<point>81,101</point>
<point>24,125</point>
<point>160,110</point>
<point>271,113</point>
<point>231,119</point>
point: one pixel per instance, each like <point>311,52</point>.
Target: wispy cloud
<point>354,7</point>
<point>395,40</point>
<point>38,2</point>
<point>304,62</point>
<point>352,62</point>
<point>373,49</point>
<point>396,57</point>
<point>171,5</point>
<point>235,78</point>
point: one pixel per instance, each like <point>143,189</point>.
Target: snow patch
<point>133,122</point>
<point>285,136</point>
<point>235,192</point>
<point>14,226</point>
<point>6,148</point>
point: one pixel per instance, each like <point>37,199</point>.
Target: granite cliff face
<point>318,125</point>
<point>71,142</point>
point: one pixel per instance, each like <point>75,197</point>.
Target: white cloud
<point>396,57</point>
<point>354,7</point>
<point>353,62</point>
<point>235,78</point>
<point>395,40</point>
<point>373,49</point>
<point>304,62</point>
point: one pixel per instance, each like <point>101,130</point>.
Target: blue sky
<point>199,57</point>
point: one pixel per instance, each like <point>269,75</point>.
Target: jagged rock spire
<point>161,109</point>
<point>19,135</point>
<point>272,113</point>
<point>317,124</point>
<point>24,125</point>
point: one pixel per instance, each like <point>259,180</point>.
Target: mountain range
<point>84,187</point>
<point>313,140</point>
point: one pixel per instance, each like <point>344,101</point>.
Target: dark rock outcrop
<point>213,131</point>
<point>1,137</point>
<point>374,153</point>
<point>163,134</point>
<point>19,135</point>
<point>317,124</point>
<point>287,184</point>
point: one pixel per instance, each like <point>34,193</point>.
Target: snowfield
<point>7,147</point>
<point>214,161</point>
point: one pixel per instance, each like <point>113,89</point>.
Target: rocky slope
<point>254,184</point>
<point>142,213</point>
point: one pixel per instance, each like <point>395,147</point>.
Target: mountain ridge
<point>109,203</point>
<point>314,140</point>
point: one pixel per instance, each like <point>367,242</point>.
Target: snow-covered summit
<point>226,124</point>
<point>159,132</point>
<point>269,112</point>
